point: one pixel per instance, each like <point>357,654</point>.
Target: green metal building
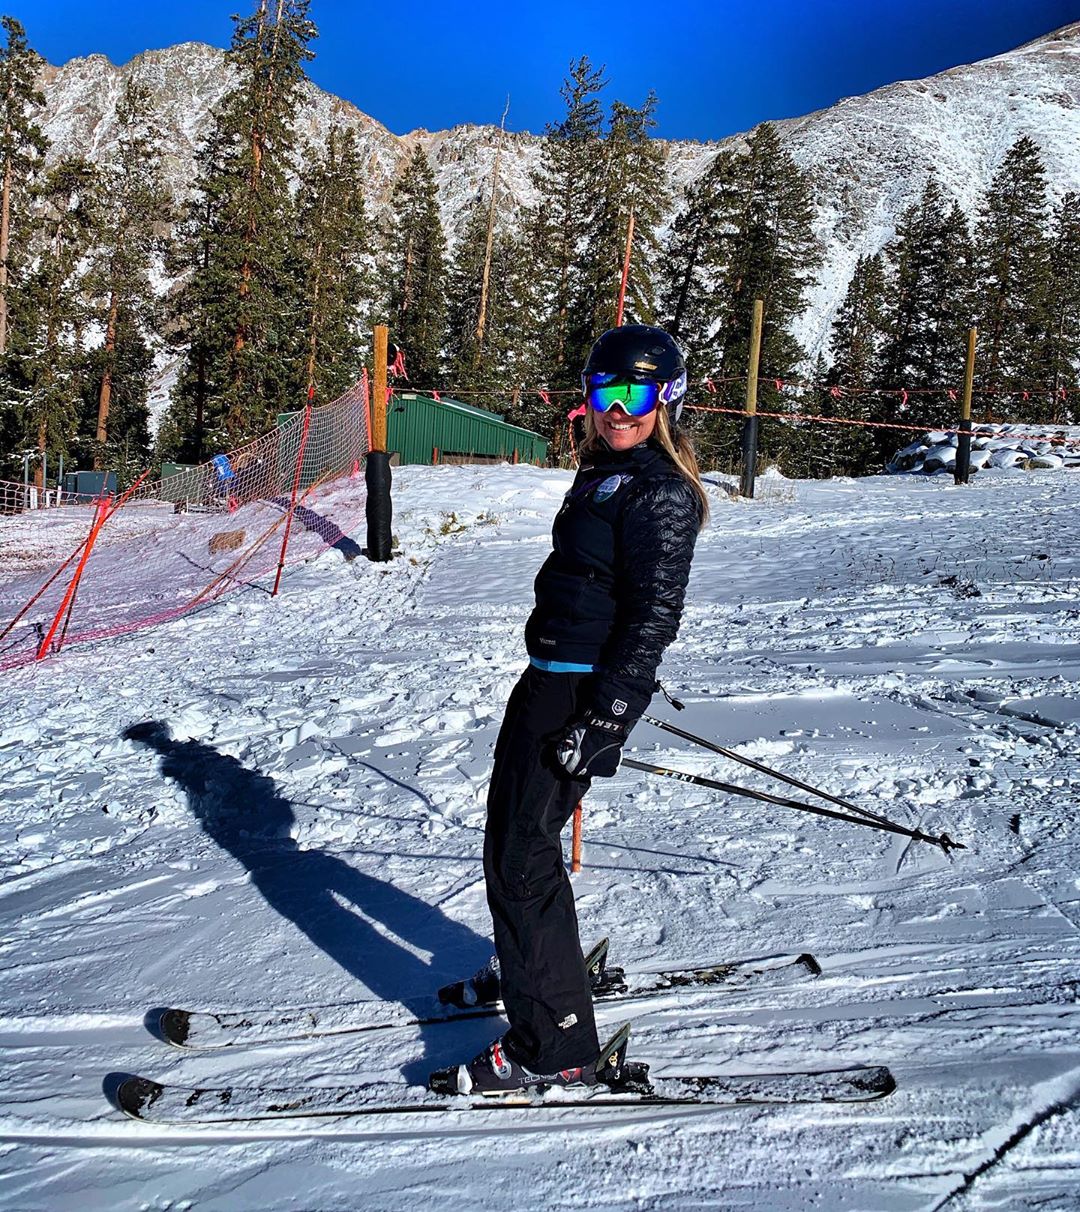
<point>423,430</point>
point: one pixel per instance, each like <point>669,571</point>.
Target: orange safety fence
<point>181,542</point>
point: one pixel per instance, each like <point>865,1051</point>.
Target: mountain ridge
<point>869,153</point>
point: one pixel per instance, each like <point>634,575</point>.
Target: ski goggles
<point>603,392</point>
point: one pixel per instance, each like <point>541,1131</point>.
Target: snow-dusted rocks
<point>1028,447</point>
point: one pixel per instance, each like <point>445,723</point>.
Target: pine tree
<point>745,234</point>
<point>129,367</point>
<point>135,210</point>
<point>415,268</point>
<point>631,182</point>
<point>484,368</point>
<point>199,313</point>
<point>927,314</point>
<point>332,240</point>
<point>691,258</point>
<point>532,293</point>
<point>1061,360</point>
<point>241,313</point>
<point>45,356</point>
<point>22,148</point>
<point>570,183</point>
<point>854,343</point>
<point>768,251</point>
<point>1012,256</point>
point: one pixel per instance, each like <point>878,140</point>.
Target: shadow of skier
<point>347,914</point>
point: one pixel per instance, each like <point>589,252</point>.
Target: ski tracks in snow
<point>302,823</point>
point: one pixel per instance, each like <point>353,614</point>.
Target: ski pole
<point>944,841</point>
<point>776,774</point>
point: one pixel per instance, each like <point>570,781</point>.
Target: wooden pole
<point>625,269</point>
<point>575,845</point>
<point>378,402</point>
<point>750,425</point>
<point>377,474</point>
<point>962,469</point>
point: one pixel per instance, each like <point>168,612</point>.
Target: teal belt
<point>560,666</point>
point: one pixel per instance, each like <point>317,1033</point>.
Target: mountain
<point>869,155</point>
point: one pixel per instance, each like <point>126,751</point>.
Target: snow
<point>311,834</point>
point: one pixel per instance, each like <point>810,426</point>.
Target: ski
<point>154,1102</point>
<point>231,1029</point>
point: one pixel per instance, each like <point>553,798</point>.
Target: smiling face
<point>620,431</point>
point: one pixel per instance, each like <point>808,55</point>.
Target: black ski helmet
<point>640,353</point>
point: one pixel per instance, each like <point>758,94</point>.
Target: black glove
<point>591,748</point>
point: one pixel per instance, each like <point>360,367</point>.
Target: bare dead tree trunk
<point>257,134</point>
<point>105,394</point>
<point>313,324</point>
<point>481,319</point>
<point>5,237</point>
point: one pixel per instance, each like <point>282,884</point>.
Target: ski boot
<point>493,1073</point>
<point>483,988</point>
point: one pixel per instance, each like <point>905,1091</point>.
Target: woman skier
<point>608,602</point>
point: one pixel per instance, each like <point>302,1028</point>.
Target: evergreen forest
<point>278,268</point>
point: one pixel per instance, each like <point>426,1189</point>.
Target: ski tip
<point>877,1082</point>
<point>596,960</point>
<point>175,1026</point>
<point>807,961</point>
<point>613,1054</point>
<point>603,980</point>
<point>135,1094</point>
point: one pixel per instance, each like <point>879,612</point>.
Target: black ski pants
<point>545,986</point>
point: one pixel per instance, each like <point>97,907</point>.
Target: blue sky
<point>717,67</point>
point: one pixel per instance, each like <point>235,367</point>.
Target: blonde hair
<point>677,446</point>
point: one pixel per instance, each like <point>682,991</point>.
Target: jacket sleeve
<point>654,539</point>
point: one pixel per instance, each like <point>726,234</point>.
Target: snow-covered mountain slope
<point>312,833</point>
<point>870,155</point>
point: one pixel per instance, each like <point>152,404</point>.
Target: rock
<point>940,457</point>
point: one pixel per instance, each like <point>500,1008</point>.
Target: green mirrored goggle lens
<point>635,399</point>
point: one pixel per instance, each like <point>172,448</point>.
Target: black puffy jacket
<point>611,592</point>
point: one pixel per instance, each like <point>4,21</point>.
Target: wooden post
<point>377,475</point>
<point>962,468</point>
<point>750,425</point>
<point>575,845</point>
<point>378,402</point>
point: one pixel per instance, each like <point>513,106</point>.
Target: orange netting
<point>169,546</point>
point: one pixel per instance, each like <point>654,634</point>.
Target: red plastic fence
<point>180,543</point>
